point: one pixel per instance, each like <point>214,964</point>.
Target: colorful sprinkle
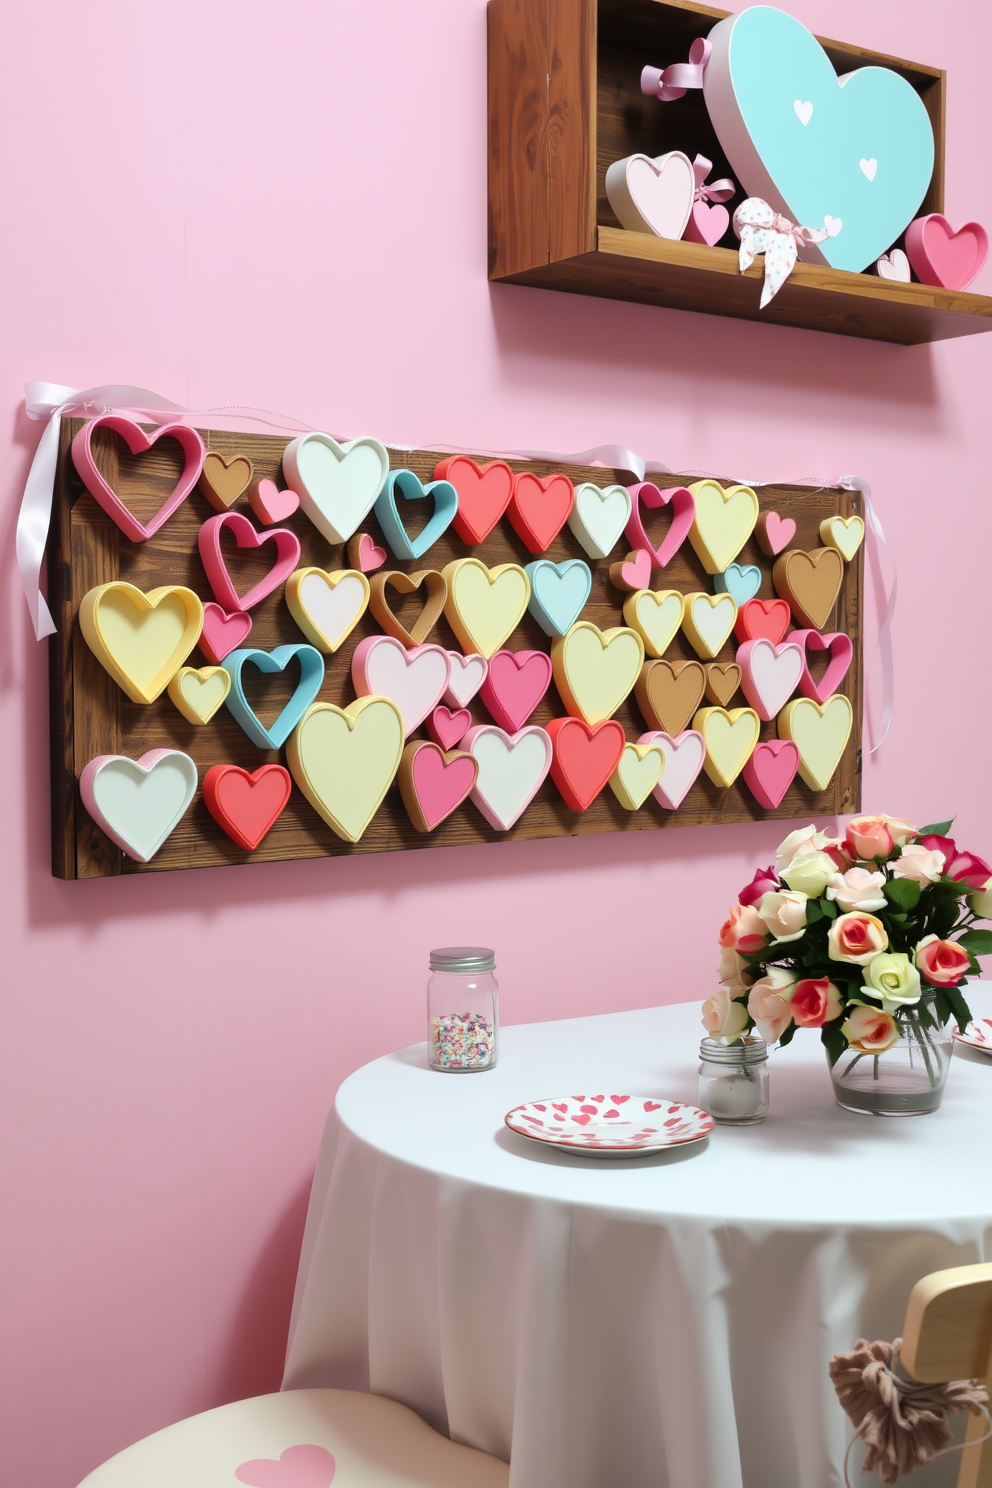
<point>462,1041</point>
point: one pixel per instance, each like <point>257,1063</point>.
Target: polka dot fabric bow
<point>762,230</point>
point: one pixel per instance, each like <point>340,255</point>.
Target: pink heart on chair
<point>298,1467</point>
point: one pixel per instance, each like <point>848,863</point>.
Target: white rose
<point>858,888</point>
<point>784,913</point>
<point>981,903</point>
<point>921,864</point>
<point>723,1018</point>
<point>733,969</point>
<point>810,873</point>
<point>805,840</point>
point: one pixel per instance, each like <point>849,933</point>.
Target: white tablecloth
<point>662,1322</point>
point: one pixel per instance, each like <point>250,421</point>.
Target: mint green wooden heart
<point>858,148</point>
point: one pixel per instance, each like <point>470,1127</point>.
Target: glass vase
<point>907,1079</point>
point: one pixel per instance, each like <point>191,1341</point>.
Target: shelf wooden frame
<point>565,102</point>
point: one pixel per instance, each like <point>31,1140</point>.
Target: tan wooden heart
<point>669,692</point>
<point>810,582</point>
<point>722,680</point>
<point>223,481</point>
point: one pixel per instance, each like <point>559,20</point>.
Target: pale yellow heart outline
<point>345,759</point>
<point>485,605</point>
<point>594,670</point>
<point>656,615</point>
<point>193,691</point>
<point>630,781</point>
<point>730,736</point>
<point>821,732</point>
<point>724,521</point>
<point>141,639</point>
<point>705,644</point>
<point>846,534</point>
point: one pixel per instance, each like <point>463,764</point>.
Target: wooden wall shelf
<point>565,102</point>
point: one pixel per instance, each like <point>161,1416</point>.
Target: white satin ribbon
<point>50,400</point>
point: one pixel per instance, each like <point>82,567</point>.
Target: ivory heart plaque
<point>327,606</point>
<point>138,803</point>
<point>595,669</point>
<point>820,731</point>
<point>684,757</point>
<point>652,195</point>
<point>637,774</point>
<point>466,677</point>
<point>199,692</point>
<point>484,605</point>
<point>894,265</point>
<point>415,678</point>
<point>337,483</point>
<point>656,615</point>
<point>598,517</point>
<point>708,621</point>
<point>141,639</point>
<point>345,759</point>
<point>512,769</point>
<point>846,534</point>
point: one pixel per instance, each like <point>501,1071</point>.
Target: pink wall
<point>285,206</point>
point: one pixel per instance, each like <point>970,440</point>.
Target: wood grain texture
<point>591,53</point>
<point>948,1336</point>
<point>102,720</point>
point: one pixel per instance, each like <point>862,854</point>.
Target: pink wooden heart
<point>515,684</point>
<point>769,771</point>
<point>684,758</point>
<point>287,546</point>
<point>446,728</point>
<point>778,532</point>
<point>368,557</point>
<point>941,256</point>
<point>841,649</point>
<point>441,785</point>
<point>299,1467</point>
<point>138,442</point>
<point>635,573</point>
<point>683,505</point>
<point>770,674</point>
<point>270,504</point>
<point>706,224</point>
<point>222,633</point>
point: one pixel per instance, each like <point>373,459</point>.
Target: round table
<point>654,1322</point>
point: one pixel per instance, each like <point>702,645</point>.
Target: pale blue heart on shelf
<point>741,582</point>
<point>558,593</point>
<point>857,148</point>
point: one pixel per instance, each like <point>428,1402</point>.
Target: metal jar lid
<point>463,958</point>
<point>742,1052</point>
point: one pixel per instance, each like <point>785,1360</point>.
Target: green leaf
<point>813,911</point>
<point>833,1040</point>
<point>944,918</point>
<point>904,893</point>
<point>788,1035</point>
<point>962,1013</point>
<point>936,829</point>
<point>942,1005</point>
<point>828,907</point>
<point>979,941</point>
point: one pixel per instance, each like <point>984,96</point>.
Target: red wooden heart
<point>584,757</point>
<point>762,620</point>
<point>246,805</point>
<point>539,508</point>
<point>483,494</point>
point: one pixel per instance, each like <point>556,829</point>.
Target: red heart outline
<point>683,505</point>
<point>484,493</point>
<point>763,620</point>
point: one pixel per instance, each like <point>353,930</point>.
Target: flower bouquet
<point>868,937</point>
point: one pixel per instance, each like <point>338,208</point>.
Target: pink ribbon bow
<point>674,81</point>
<point>762,230</point>
<point>710,191</point>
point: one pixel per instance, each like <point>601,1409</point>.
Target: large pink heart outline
<point>305,1466</point>
<point>246,536</point>
<point>138,442</point>
<point>841,649</point>
<point>683,505</point>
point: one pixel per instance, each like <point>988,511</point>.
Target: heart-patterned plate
<point>978,1035</point>
<point>610,1125</point>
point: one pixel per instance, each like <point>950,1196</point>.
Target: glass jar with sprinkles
<point>462,1010</point>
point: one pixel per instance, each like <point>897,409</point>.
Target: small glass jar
<point>733,1080</point>
<point>462,1010</point>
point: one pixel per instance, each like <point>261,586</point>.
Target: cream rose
<point>856,937</point>
<point>723,1018</point>
<point>893,978</point>
<point>809,873</point>
<point>768,1003</point>
<point>743,930</point>
<point>857,889</point>
<point>805,840</point>
<point>981,903</point>
<point>783,914</point>
<point>733,973</point>
<point>868,1031</point>
<point>923,865</point>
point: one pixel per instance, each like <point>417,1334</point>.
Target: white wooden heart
<point>598,517</point>
<point>894,265</point>
<point>652,196</point>
<point>337,483</point>
<point>139,802</point>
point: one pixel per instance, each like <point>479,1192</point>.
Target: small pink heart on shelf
<point>706,224</point>
<point>270,504</point>
<point>942,257</point>
<point>447,728</point>
<point>894,265</point>
<point>304,1466</point>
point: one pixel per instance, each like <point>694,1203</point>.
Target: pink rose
<point>814,1003</point>
<point>964,867</point>
<point>734,973</point>
<point>923,865</point>
<point>872,837</point>
<point>803,841</point>
<point>869,1031</point>
<point>858,888</point>
<point>856,938</point>
<point>783,914</point>
<point>768,1003</point>
<point>743,930</point>
<point>763,882</point>
<point>723,1018</point>
<point>941,962</point>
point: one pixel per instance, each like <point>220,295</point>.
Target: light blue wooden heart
<point>311,676</point>
<point>740,582</point>
<point>558,593</point>
<point>410,488</point>
<point>858,148</point>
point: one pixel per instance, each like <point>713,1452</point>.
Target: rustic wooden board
<point>91,715</point>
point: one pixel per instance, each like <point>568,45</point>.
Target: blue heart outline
<point>411,488</point>
<point>311,677</point>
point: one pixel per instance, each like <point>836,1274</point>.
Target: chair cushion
<point>301,1439</point>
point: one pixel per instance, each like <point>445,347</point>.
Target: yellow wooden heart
<point>327,605</point>
<point>595,669</point>
<point>656,615</point>
<point>199,691</point>
<point>637,773</point>
<point>141,639</point>
<point>724,521</point>
<point>846,534</point>
<point>485,605</point>
<point>820,732</point>
<point>708,621</point>
<point>730,737</point>
<point>345,759</point>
